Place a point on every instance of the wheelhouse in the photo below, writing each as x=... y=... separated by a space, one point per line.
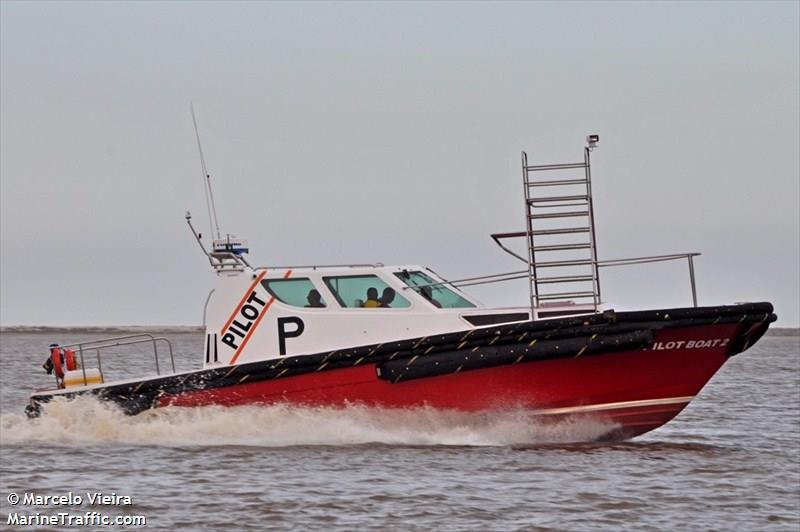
x=365 y=288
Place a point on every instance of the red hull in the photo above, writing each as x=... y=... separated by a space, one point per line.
x=637 y=390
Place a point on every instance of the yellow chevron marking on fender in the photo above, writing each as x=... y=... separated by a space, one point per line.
x=584 y=348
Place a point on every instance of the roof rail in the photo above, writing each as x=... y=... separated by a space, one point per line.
x=320 y=266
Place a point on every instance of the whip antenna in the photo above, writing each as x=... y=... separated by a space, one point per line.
x=212 y=209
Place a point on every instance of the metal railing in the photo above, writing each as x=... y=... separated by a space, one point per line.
x=320 y=266
x=659 y=258
x=118 y=341
x=523 y=274
x=226 y=260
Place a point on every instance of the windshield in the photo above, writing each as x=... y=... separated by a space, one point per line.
x=438 y=295
x=364 y=291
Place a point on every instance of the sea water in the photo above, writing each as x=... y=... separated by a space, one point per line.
x=730 y=461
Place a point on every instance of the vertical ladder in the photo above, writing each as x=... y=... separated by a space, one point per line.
x=562 y=250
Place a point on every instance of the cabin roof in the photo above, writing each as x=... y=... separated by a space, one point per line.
x=341 y=269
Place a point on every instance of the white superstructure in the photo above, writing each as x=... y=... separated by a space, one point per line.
x=257 y=314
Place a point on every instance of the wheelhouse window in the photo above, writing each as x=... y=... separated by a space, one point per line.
x=299 y=292
x=438 y=295
x=365 y=291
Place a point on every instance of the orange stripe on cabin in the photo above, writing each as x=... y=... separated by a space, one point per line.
x=241 y=303
x=255 y=323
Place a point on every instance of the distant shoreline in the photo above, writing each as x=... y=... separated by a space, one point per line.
x=177 y=329
x=110 y=329
x=783 y=331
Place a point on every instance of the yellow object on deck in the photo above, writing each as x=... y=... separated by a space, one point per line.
x=76 y=377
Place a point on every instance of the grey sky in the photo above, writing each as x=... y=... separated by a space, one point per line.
x=389 y=132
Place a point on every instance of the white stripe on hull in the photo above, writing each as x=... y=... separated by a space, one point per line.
x=616 y=406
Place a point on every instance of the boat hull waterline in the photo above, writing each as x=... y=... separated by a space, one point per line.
x=632 y=370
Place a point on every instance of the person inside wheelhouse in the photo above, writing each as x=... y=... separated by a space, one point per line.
x=436 y=293
x=387 y=297
x=314 y=299
x=427 y=293
x=372 y=298
x=377 y=293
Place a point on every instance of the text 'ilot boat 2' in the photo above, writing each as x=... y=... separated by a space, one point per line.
x=404 y=337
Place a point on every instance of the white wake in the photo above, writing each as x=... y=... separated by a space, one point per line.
x=86 y=420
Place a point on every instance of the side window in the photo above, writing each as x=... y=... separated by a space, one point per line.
x=438 y=295
x=298 y=292
x=365 y=291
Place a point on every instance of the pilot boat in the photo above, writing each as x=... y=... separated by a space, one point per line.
x=404 y=337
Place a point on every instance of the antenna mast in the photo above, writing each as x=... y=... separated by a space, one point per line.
x=212 y=209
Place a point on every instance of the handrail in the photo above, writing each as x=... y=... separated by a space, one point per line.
x=117 y=341
x=222 y=260
x=510 y=276
x=655 y=258
x=470 y=281
x=645 y=260
x=319 y=266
